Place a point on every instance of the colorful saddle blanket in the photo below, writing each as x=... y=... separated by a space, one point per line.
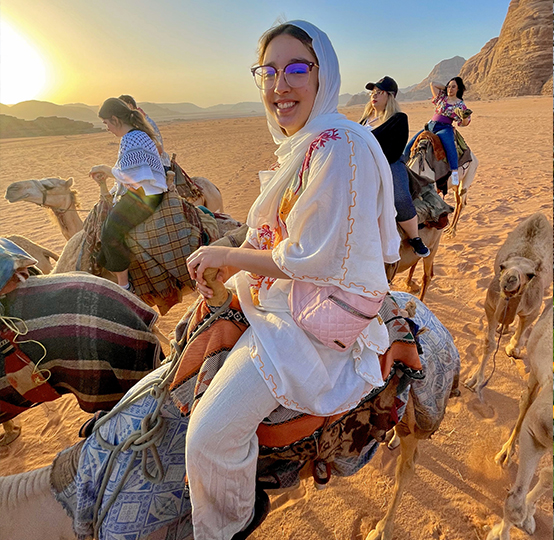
x=288 y=434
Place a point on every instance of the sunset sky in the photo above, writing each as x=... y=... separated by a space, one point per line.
x=68 y=51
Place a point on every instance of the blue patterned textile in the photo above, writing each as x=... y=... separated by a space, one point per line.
x=431 y=394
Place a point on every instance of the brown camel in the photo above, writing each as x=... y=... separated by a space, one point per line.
x=432 y=214
x=534 y=431
x=52 y=193
x=522 y=275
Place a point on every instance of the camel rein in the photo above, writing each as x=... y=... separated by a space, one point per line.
x=151 y=428
x=497 y=344
x=44 y=192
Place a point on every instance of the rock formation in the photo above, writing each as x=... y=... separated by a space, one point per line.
x=519 y=61
x=442 y=73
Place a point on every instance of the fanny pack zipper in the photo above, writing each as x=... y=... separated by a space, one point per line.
x=349 y=308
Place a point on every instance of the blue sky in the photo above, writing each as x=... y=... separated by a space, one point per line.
x=185 y=50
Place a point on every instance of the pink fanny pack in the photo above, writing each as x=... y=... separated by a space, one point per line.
x=333 y=316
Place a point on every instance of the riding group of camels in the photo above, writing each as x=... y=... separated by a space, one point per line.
x=523 y=274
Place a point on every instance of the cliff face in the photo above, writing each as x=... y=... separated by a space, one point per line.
x=519 y=61
x=441 y=73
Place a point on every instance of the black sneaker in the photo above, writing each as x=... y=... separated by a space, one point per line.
x=420 y=249
x=261 y=510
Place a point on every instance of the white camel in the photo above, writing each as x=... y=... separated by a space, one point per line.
x=533 y=429
x=28 y=500
x=424 y=163
x=522 y=275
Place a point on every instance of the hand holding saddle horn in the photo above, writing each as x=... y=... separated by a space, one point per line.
x=219 y=291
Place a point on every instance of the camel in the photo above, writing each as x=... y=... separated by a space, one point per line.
x=56 y=194
x=52 y=193
x=522 y=274
x=534 y=431
x=42 y=254
x=28 y=499
x=424 y=163
x=432 y=212
x=409 y=260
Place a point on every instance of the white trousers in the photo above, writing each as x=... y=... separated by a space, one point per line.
x=222 y=446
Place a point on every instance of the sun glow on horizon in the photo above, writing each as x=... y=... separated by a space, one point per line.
x=23 y=71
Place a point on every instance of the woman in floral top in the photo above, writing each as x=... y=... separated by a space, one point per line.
x=449 y=108
x=326 y=216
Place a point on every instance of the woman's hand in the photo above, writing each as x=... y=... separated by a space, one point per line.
x=100 y=173
x=208 y=257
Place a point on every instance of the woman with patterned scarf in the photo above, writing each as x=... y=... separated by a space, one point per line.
x=140 y=184
x=325 y=215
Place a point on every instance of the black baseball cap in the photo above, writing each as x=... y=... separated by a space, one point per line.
x=388 y=84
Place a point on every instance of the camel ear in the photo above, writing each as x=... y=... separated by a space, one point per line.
x=69 y=182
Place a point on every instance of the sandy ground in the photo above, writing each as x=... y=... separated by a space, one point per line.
x=458 y=491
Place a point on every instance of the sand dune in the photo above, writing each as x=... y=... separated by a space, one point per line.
x=458 y=491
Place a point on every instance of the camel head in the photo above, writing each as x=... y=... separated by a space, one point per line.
x=54 y=193
x=515 y=275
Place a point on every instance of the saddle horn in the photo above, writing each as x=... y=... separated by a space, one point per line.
x=220 y=292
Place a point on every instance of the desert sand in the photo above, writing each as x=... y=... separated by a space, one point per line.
x=458 y=491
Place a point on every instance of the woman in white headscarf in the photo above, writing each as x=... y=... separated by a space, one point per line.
x=325 y=215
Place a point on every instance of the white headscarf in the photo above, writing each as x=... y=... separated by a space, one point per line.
x=324 y=115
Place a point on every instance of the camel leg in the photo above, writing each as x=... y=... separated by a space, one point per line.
x=405 y=469
x=450 y=231
x=11 y=432
x=409 y=280
x=519 y=339
x=428 y=274
x=476 y=380
x=503 y=457
x=535 y=439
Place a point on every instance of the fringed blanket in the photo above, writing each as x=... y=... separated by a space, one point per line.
x=97 y=337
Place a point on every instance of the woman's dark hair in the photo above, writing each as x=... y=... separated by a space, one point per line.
x=461 y=86
x=288 y=30
x=118 y=108
x=130 y=100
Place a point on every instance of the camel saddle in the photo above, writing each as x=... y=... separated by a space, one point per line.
x=287 y=434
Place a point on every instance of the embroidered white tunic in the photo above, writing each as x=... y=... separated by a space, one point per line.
x=330 y=236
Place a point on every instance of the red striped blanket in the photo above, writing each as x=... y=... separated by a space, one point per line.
x=98 y=340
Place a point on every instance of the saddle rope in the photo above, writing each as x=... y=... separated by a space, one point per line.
x=19 y=328
x=497 y=344
x=151 y=429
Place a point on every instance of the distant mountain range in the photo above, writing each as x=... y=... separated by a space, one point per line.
x=517 y=63
x=11 y=127
x=30 y=110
